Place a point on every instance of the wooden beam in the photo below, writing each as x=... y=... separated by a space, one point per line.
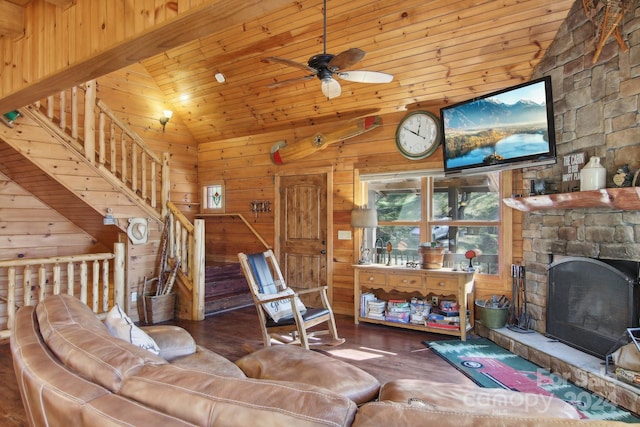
x=11 y=19
x=195 y=23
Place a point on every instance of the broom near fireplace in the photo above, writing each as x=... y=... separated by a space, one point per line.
x=519 y=320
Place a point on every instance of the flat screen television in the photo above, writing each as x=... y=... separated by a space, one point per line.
x=508 y=129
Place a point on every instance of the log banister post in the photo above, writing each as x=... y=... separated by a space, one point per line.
x=21 y=275
x=90 y=121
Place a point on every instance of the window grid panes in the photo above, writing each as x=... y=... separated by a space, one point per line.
x=464 y=215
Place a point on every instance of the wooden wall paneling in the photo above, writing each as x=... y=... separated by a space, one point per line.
x=142 y=114
x=30 y=228
x=11 y=20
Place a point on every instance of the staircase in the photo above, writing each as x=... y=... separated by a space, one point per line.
x=79 y=142
x=76 y=140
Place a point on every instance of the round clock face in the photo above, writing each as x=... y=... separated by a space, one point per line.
x=418 y=135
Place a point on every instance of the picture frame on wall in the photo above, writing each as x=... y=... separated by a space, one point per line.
x=213 y=197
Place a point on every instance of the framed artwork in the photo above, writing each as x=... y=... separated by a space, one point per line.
x=213 y=200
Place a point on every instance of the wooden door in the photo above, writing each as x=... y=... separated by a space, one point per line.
x=303 y=232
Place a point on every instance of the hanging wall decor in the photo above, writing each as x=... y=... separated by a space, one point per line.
x=607 y=16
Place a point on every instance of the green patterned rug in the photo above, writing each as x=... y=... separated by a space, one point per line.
x=491 y=366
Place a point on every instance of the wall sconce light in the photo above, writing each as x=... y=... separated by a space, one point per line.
x=166 y=115
x=259 y=206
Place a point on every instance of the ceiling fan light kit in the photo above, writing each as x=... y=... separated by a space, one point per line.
x=325 y=66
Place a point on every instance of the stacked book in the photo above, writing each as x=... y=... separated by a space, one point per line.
x=365 y=297
x=419 y=311
x=376 y=309
x=398 y=311
x=444 y=319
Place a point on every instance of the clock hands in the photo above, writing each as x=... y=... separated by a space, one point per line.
x=415 y=133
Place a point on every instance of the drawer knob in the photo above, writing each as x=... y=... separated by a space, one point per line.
x=441 y=284
x=371 y=278
x=405 y=281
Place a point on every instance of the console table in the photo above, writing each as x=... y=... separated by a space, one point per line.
x=404 y=283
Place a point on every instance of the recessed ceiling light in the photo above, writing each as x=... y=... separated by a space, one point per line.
x=220 y=77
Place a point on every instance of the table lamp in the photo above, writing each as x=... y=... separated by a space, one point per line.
x=364 y=218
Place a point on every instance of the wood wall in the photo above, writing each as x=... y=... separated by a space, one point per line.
x=249 y=174
x=31 y=229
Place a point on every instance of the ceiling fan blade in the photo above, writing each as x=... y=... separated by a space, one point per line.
x=346 y=59
x=290 y=81
x=284 y=61
x=362 y=76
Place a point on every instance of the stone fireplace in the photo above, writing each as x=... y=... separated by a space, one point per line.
x=596 y=111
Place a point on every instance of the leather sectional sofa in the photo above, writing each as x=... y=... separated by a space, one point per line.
x=71 y=371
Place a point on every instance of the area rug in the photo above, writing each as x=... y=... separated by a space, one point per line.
x=491 y=366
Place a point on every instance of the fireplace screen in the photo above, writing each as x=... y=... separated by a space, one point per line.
x=591 y=303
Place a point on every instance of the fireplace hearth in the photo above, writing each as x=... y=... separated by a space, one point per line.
x=591 y=302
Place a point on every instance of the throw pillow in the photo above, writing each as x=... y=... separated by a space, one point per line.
x=121 y=326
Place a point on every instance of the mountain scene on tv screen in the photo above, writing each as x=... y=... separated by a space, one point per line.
x=489 y=131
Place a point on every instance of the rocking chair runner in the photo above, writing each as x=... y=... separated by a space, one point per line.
x=279 y=307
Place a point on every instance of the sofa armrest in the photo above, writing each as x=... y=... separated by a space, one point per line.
x=173 y=341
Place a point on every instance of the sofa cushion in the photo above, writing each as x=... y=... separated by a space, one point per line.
x=173 y=341
x=83 y=344
x=375 y=414
x=121 y=326
x=293 y=363
x=473 y=399
x=207 y=399
x=206 y=360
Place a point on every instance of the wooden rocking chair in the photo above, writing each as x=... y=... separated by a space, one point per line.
x=279 y=307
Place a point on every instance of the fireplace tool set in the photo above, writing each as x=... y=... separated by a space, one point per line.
x=519 y=320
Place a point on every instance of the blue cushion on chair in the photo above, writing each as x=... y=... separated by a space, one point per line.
x=262 y=273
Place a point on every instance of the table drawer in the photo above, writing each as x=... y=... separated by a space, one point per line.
x=366 y=277
x=408 y=282
x=442 y=284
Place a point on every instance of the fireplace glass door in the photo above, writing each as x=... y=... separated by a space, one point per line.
x=591 y=303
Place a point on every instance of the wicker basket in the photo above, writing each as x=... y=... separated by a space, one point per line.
x=159 y=308
x=431 y=257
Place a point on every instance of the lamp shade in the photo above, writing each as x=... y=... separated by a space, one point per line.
x=364 y=218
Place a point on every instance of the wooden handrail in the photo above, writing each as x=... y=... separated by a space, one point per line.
x=35 y=278
x=118 y=151
x=186 y=241
x=244 y=220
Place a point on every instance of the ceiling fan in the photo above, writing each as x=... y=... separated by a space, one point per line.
x=325 y=66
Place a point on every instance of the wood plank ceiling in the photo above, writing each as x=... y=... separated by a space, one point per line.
x=440 y=51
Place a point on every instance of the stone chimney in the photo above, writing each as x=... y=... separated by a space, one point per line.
x=596 y=111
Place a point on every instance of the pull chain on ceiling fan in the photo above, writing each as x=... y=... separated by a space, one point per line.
x=325 y=66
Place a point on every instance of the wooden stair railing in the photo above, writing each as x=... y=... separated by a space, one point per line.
x=186 y=241
x=31 y=280
x=119 y=151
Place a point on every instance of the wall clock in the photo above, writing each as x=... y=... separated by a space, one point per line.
x=418 y=135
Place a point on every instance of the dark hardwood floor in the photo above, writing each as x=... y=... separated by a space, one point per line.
x=385 y=352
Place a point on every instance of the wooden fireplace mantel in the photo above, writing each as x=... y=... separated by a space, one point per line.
x=626 y=199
